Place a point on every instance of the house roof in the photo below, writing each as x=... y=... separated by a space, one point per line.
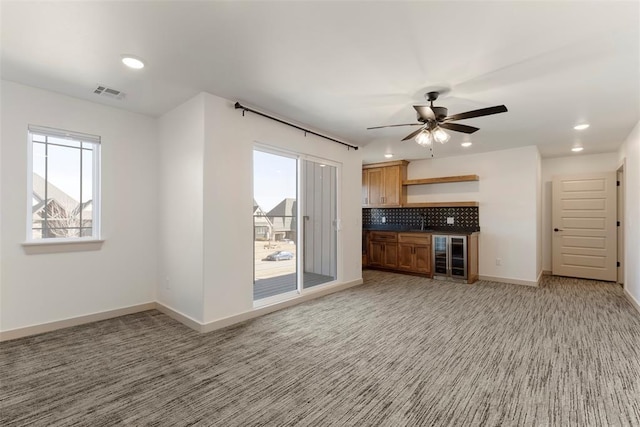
x=59 y=197
x=63 y=199
x=283 y=215
x=287 y=207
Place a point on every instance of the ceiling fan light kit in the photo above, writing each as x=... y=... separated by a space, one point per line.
x=424 y=138
x=433 y=120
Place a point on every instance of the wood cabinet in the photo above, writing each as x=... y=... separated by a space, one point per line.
x=383 y=249
x=382 y=184
x=414 y=252
x=411 y=252
x=472 y=258
x=385 y=185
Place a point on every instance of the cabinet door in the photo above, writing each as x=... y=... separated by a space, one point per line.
x=376 y=186
x=392 y=183
x=365 y=187
x=422 y=259
x=390 y=255
x=375 y=255
x=405 y=257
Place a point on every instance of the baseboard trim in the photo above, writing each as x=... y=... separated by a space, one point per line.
x=13 y=334
x=511 y=281
x=186 y=320
x=180 y=317
x=546 y=272
x=248 y=315
x=632 y=300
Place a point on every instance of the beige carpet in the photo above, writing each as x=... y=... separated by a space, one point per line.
x=397 y=351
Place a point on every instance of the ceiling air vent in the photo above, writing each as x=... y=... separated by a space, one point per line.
x=108 y=92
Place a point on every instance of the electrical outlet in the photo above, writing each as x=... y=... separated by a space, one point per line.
x=498 y=261
x=450 y=220
x=384 y=219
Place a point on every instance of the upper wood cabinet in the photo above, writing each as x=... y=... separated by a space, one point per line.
x=382 y=184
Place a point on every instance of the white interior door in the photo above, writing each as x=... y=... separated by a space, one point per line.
x=584 y=226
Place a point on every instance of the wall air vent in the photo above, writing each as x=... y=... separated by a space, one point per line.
x=108 y=92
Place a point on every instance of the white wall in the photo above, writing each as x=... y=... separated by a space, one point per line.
x=507 y=192
x=206 y=204
x=43 y=288
x=228 y=202
x=570 y=165
x=630 y=154
x=180 y=213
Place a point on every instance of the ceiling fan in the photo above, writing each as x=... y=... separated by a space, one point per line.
x=432 y=120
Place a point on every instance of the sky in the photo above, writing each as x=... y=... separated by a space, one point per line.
x=64 y=167
x=274 y=179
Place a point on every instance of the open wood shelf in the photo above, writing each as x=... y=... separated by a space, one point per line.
x=441 y=180
x=441 y=205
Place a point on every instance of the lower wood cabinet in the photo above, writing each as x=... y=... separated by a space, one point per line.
x=383 y=249
x=383 y=254
x=410 y=252
x=414 y=258
x=414 y=252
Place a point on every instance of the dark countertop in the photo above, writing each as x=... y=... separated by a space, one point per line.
x=427 y=229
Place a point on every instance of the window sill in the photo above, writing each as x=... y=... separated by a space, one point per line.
x=57 y=246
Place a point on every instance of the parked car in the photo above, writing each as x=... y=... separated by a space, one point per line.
x=279 y=256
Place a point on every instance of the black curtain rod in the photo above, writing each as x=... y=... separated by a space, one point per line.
x=239 y=106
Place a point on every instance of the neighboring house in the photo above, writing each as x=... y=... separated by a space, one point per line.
x=283 y=218
x=262 y=226
x=56 y=214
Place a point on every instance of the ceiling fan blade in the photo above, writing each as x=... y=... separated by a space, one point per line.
x=425 y=112
x=412 y=134
x=393 y=126
x=478 y=113
x=458 y=127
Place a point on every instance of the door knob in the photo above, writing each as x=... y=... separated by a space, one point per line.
x=555 y=229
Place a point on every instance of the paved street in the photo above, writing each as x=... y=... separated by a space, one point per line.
x=266 y=269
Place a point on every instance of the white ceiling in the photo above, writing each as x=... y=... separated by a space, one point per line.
x=340 y=67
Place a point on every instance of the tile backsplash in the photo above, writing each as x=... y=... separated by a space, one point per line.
x=464 y=217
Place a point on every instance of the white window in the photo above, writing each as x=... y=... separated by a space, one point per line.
x=64 y=185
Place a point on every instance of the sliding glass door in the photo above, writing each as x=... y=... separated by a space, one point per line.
x=290 y=256
x=275 y=225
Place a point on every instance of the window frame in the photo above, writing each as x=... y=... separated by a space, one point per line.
x=82 y=138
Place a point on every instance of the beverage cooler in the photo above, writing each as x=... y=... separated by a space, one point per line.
x=449 y=257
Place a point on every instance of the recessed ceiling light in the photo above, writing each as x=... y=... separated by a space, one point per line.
x=388 y=156
x=321 y=165
x=581 y=127
x=466 y=144
x=132 y=62
x=576 y=149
